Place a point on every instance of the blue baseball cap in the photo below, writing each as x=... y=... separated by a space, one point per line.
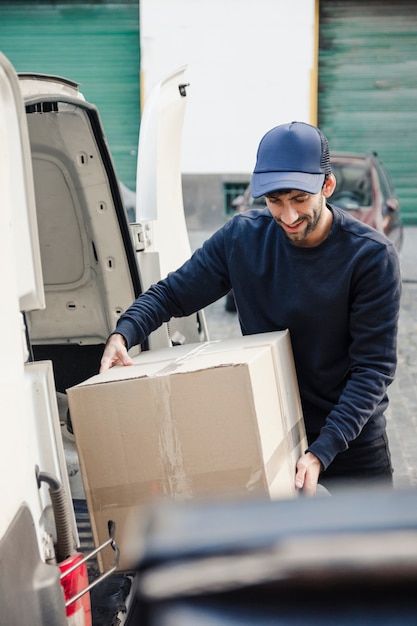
x=291 y=156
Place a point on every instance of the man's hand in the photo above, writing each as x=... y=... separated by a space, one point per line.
x=307 y=473
x=115 y=353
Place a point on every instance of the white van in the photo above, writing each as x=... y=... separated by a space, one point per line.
x=71 y=264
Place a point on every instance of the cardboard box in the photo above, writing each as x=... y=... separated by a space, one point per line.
x=208 y=419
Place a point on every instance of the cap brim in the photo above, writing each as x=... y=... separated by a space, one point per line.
x=267 y=182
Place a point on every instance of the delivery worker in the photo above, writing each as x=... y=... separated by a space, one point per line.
x=307 y=266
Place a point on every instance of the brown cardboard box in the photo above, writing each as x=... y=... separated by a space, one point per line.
x=210 y=419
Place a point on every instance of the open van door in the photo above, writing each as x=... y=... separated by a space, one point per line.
x=95 y=262
x=160 y=207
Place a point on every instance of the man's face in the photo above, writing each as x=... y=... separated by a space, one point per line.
x=302 y=216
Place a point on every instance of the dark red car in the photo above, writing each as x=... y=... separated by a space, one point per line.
x=365 y=189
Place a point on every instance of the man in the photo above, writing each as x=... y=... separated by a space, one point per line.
x=308 y=266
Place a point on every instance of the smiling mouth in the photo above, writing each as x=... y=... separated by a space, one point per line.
x=292 y=228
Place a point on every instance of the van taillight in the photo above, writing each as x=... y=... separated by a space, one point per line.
x=73 y=583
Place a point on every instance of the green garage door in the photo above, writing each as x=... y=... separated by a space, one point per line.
x=95 y=44
x=368 y=85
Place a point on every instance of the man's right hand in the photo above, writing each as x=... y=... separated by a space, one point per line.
x=115 y=353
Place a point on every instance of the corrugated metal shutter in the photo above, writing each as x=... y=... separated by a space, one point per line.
x=96 y=45
x=368 y=85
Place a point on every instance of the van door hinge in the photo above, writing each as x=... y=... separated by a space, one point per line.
x=137 y=233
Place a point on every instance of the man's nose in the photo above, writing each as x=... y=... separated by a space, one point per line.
x=289 y=215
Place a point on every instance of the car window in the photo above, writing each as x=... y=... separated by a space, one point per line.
x=386 y=185
x=353 y=185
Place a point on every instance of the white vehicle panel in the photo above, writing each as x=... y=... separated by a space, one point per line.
x=159 y=188
x=15 y=169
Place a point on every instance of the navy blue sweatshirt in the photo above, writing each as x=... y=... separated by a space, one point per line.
x=340 y=301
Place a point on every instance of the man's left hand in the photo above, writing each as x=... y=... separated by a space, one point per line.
x=308 y=469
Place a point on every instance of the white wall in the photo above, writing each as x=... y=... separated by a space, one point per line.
x=249 y=65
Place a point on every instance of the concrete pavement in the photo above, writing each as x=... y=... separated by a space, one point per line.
x=402 y=412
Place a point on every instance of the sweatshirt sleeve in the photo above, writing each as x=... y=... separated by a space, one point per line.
x=200 y=281
x=374 y=313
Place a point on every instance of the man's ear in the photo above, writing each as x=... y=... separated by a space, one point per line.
x=329 y=186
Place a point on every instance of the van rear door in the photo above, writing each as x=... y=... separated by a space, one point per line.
x=94 y=261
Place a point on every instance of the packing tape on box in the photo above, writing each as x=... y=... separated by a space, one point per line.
x=176 y=364
x=170 y=449
x=284 y=448
x=295 y=435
